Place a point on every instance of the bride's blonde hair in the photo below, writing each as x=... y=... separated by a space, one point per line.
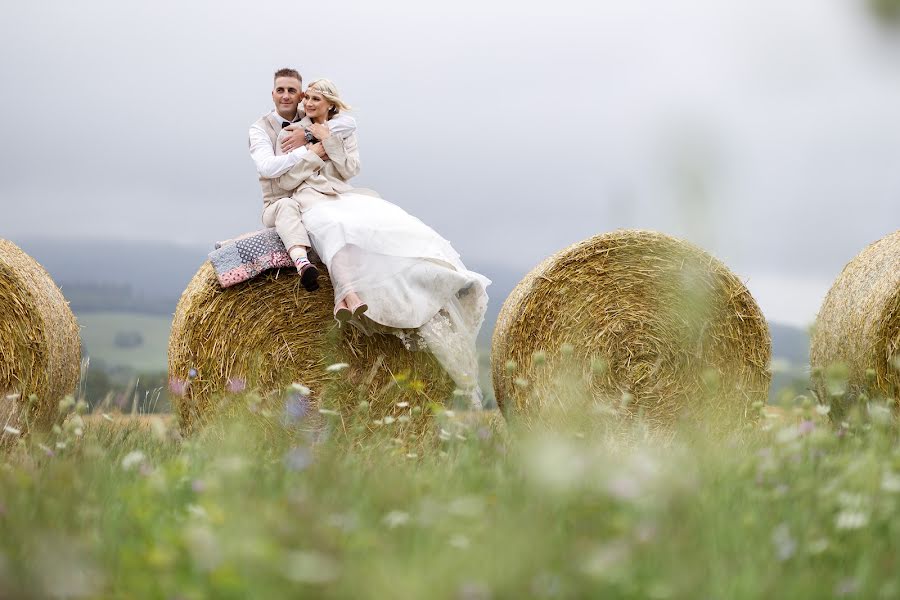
x=330 y=93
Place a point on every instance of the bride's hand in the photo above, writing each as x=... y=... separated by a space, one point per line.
x=320 y=131
x=295 y=138
x=319 y=149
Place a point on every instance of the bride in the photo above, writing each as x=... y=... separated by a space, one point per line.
x=390 y=271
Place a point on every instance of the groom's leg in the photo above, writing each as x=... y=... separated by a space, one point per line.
x=284 y=215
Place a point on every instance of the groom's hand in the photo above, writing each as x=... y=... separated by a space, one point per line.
x=295 y=138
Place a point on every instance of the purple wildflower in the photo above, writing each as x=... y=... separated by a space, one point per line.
x=298 y=459
x=178 y=386
x=295 y=408
x=806 y=427
x=236 y=385
x=192 y=373
x=198 y=486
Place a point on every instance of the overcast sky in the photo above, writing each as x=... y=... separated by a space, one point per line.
x=767 y=132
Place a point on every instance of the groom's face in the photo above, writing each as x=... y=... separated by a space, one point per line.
x=287 y=96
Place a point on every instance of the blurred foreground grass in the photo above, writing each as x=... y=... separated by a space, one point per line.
x=264 y=506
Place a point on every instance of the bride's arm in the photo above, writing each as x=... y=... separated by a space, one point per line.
x=308 y=165
x=343 y=154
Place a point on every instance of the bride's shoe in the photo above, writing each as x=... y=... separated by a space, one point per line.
x=342 y=313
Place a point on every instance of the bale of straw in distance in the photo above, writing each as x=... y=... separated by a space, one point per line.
x=40 y=348
x=644 y=321
x=267 y=333
x=858 y=325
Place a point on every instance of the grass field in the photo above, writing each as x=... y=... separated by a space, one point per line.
x=589 y=504
x=98 y=333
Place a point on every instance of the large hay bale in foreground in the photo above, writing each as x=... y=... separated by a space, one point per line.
x=642 y=316
x=269 y=332
x=40 y=349
x=858 y=325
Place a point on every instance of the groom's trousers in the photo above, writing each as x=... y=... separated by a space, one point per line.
x=284 y=216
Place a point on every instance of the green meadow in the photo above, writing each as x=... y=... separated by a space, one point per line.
x=280 y=503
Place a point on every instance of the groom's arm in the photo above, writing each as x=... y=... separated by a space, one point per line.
x=268 y=165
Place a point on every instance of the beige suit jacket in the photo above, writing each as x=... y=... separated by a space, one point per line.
x=315 y=180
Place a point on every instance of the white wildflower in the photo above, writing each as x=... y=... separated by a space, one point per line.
x=133 y=459
x=336 y=367
x=823 y=409
x=388 y=420
x=107 y=417
x=396 y=518
x=311 y=567
x=402 y=404
x=890 y=482
x=460 y=542
x=403 y=419
x=784 y=542
x=12 y=430
x=328 y=411
x=302 y=389
x=444 y=435
x=851 y=519
x=412 y=455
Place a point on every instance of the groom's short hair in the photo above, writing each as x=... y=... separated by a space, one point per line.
x=288 y=73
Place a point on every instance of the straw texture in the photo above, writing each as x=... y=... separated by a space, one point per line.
x=40 y=348
x=269 y=332
x=648 y=322
x=859 y=322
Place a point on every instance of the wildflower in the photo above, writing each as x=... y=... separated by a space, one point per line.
x=402 y=404
x=806 y=427
x=328 y=411
x=890 y=482
x=236 y=385
x=295 y=407
x=12 y=430
x=388 y=420
x=459 y=542
x=336 y=367
x=178 y=386
x=46 y=450
x=823 y=409
x=133 y=459
x=378 y=422
x=107 y=417
x=851 y=519
x=403 y=419
x=396 y=518
x=846 y=587
x=784 y=542
x=300 y=389
x=192 y=373
x=198 y=486
x=412 y=455
x=298 y=459
x=310 y=567
x=511 y=366
x=444 y=435
x=521 y=382
x=539 y=358
x=483 y=433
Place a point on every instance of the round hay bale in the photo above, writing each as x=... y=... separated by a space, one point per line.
x=858 y=325
x=40 y=348
x=267 y=333
x=639 y=320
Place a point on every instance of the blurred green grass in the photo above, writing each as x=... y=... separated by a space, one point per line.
x=589 y=505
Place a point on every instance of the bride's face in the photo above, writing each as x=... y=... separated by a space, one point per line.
x=317 y=106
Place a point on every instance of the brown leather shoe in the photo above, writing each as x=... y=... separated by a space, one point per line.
x=309 y=277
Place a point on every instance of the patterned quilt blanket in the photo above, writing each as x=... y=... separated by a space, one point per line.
x=247 y=256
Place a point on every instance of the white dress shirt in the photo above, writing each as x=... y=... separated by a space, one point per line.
x=270 y=166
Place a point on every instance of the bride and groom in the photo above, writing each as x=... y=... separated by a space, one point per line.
x=390 y=272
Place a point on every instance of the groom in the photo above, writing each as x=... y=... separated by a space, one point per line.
x=279 y=209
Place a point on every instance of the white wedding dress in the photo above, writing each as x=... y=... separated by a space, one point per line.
x=410 y=277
